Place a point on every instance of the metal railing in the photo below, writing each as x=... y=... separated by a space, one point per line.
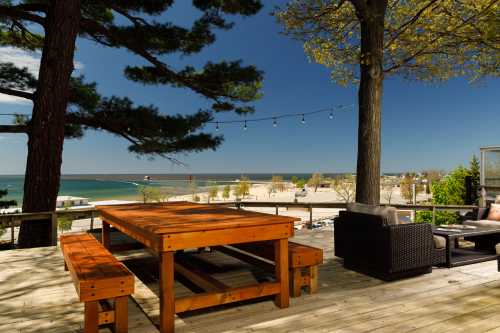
x=14 y=220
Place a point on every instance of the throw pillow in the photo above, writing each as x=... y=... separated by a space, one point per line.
x=494 y=213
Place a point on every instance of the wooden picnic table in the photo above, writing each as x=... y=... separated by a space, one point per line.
x=170 y=227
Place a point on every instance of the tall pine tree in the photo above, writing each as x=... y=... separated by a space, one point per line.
x=139 y=27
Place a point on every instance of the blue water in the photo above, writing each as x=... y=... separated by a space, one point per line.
x=125 y=186
x=102 y=187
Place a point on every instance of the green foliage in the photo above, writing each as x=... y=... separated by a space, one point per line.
x=406 y=186
x=301 y=183
x=315 y=181
x=6 y=203
x=213 y=191
x=278 y=184
x=474 y=172
x=423 y=40
x=142 y=28
x=151 y=194
x=64 y=223
x=294 y=180
x=226 y=192
x=242 y=188
x=449 y=191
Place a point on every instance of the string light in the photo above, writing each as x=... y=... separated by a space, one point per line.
x=274 y=119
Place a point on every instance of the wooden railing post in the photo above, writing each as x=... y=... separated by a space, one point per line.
x=12 y=226
x=310 y=216
x=92 y=220
x=54 y=229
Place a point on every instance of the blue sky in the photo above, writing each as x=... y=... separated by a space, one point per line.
x=423 y=126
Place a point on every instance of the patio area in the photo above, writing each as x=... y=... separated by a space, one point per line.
x=37 y=295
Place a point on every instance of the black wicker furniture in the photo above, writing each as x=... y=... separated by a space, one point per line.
x=370 y=245
x=488 y=241
x=456 y=256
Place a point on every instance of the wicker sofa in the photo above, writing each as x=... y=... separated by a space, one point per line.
x=486 y=242
x=373 y=245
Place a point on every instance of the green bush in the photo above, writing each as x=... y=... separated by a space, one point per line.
x=441 y=217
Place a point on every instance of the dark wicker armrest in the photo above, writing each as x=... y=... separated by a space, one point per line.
x=411 y=246
x=482 y=213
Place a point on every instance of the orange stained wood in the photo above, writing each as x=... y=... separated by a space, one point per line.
x=96 y=273
x=178 y=225
x=299 y=255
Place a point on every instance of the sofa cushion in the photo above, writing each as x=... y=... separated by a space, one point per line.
x=484 y=223
x=494 y=213
x=389 y=214
x=439 y=242
x=497 y=200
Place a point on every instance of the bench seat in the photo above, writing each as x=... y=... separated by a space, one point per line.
x=303 y=261
x=101 y=281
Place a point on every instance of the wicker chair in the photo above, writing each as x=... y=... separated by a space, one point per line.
x=389 y=252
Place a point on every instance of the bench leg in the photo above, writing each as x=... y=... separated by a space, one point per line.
x=296 y=282
x=65 y=266
x=91 y=317
x=167 y=296
x=106 y=242
x=313 y=279
x=282 y=300
x=121 y=314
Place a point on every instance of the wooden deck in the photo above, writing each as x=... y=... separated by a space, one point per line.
x=37 y=295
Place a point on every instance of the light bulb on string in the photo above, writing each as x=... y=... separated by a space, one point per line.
x=275 y=123
x=217 y=126
x=330 y=115
x=303 y=121
x=245 y=126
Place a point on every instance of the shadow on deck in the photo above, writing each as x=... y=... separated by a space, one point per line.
x=37 y=295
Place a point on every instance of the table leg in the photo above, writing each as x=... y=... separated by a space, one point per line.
x=106 y=241
x=282 y=300
x=167 y=296
x=448 y=251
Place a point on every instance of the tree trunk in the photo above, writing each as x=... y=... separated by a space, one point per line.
x=46 y=132
x=370 y=98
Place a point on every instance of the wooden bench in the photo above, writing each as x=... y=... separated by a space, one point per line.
x=101 y=281
x=303 y=262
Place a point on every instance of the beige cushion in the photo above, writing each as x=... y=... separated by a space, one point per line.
x=497 y=248
x=389 y=213
x=497 y=200
x=439 y=242
x=494 y=213
x=484 y=223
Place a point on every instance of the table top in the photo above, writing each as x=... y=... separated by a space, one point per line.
x=466 y=232
x=179 y=217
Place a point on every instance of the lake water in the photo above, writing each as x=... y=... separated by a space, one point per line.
x=125 y=186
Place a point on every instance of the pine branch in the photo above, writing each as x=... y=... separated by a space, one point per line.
x=17 y=93
x=10 y=12
x=13 y=129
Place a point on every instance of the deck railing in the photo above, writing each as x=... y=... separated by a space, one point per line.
x=14 y=220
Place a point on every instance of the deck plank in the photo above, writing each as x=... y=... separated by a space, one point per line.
x=462 y=299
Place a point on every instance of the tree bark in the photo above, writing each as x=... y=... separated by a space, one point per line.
x=46 y=131
x=370 y=98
